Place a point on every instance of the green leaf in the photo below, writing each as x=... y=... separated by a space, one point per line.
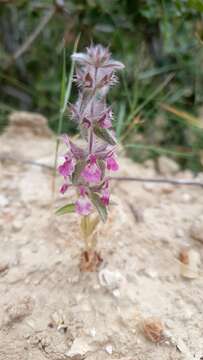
x=66 y=209
x=120 y=121
x=102 y=211
x=78 y=169
x=102 y=166
x=88 y=225
x=105 y=135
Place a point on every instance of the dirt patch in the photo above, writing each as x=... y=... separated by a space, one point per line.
x=49 y=310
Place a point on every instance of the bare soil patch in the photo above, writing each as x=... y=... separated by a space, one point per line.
x=50 y=310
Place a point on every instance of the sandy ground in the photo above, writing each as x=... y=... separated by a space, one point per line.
x=49 y=310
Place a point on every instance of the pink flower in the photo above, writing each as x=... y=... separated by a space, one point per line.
x=111 y=163
x=67 y=168
x=105 y=197
x=83 y=206
x=82 y=191
x=105 y=119
x=97 y=56
x=64 y=188
x=92 y=172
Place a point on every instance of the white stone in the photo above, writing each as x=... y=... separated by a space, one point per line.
x=17 y=225
x=3 y=200
x=93 y=332
x=186 y=198
x=109 y=349
x=79 y=346
x=196 y=229
x=111 y=279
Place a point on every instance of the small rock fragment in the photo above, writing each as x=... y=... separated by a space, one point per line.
x=19 y=309
x=167 y=166
x=166 y=188
x=4 y=266
x=23 y=122
x=186 y=198
x=183 y=256
x=79 y=348
x=93 y=332
x=3 y=201
x=190 y=261
x=153 y=330
x=109 y=349
x=111 y=279
x=196 y=229
x=17 y=225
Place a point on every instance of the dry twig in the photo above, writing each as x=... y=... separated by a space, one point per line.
x=186 y=182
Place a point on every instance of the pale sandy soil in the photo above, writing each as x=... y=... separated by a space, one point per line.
x=49 y=310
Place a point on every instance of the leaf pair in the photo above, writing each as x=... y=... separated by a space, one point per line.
x=88 y=225
x=69 y=208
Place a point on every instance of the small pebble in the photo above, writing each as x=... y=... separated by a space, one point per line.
x=196 y=229
x=186 y=198
x=116 y=293
x=109 y=349
x=190 y=262
x=153 y=330
x=93 y=332
x=179 y=233
x=17 y=225
x=3 y=201
x=151 y=273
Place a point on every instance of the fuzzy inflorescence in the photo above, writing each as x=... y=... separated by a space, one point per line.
x=87 y=168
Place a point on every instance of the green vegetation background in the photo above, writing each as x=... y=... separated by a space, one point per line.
x=159 y=41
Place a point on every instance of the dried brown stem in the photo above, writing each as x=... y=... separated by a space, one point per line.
x=186 y=182
x=158 y=181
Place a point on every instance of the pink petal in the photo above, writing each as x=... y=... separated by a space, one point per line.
x=67 y=168
x=63 y=188
x=91 y=173
x=83 y=206
x=65 y=139
x=112 y=163
x=105 y=197
x=82 y=191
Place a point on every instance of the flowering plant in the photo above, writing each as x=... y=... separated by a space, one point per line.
x=86 y=168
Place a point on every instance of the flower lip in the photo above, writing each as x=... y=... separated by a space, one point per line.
x=111 y=163
x=64 y=188
x=105 y=197
x=92 y=173
x=83 y=206
x=86 y=123
x=67 y=168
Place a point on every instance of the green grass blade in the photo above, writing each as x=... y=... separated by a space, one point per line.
x=65 y=94
x=161 y=150
x=149 y=98
x=120 y=120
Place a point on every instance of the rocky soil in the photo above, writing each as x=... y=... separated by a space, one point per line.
x=145 y=301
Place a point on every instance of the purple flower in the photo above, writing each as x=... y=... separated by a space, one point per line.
x=64 y=188
x=105 y=119
x=97 y=56
x=111 y=163
x=67 y=168
x=95 y=74
x=105 y=197
x=83 y=206
x=92 y=172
